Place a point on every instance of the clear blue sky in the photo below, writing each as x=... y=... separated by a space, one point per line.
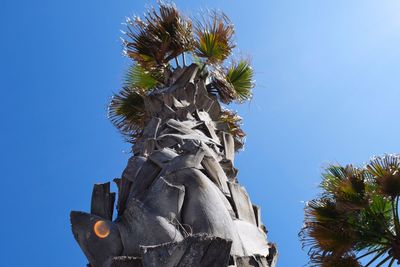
x=328 y=75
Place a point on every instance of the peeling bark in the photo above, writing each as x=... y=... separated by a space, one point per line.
x=179 y=202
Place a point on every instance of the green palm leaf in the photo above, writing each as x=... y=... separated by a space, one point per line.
x=214 y=38
x=375 y=223
x=138 y=77
x=357 y=214
x=240 y=75
x=127 y=112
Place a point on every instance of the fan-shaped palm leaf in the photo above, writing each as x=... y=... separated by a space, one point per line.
x=326 y=228
x=138 y=77
x=357 y=204
x=386 y=171
x=127 y=112
x=240 y=75
x=160 y=37
x=214 y=38
x=331 y=260
x=375 y=224
x=174 y=27
x=347 y=186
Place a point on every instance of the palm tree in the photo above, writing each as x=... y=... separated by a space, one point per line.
x=179 y=202
x=356 y=218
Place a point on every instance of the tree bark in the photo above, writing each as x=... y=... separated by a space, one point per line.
x=179 y=202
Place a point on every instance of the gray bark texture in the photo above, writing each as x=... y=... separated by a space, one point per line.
x=179 y=202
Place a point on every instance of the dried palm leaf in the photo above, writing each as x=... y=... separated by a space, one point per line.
x=160 y=37
x=233 y=121
x=221 y=86
x=326 y=228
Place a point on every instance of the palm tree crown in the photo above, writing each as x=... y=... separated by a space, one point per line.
x=356 y=216
x=157 y=43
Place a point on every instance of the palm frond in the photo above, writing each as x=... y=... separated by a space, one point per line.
x=138 y=77
x=160 y=37
x=375 y=224
x=240 y=75
x=331 y=260
x=356 y=215
x=322 y=210
x=326 y=228
x=140 y=43
x=178 y=27
x=386 y=172
x=347 y=186
x=214 y=38
x=127 y=112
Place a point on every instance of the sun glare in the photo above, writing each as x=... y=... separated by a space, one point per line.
x=101 y=229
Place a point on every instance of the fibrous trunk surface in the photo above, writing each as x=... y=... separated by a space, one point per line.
x=179 y=202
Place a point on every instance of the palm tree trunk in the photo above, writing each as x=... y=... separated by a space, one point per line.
x=179 y=202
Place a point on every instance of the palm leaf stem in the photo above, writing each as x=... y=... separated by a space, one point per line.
x=383 y=243
x=183 y=59
x=384 y=260
x=203 y=67
x=375 y=258
x=394 y=202
x=391 y=262
x=389 y=236
x=397 y=215
x=369 y=253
